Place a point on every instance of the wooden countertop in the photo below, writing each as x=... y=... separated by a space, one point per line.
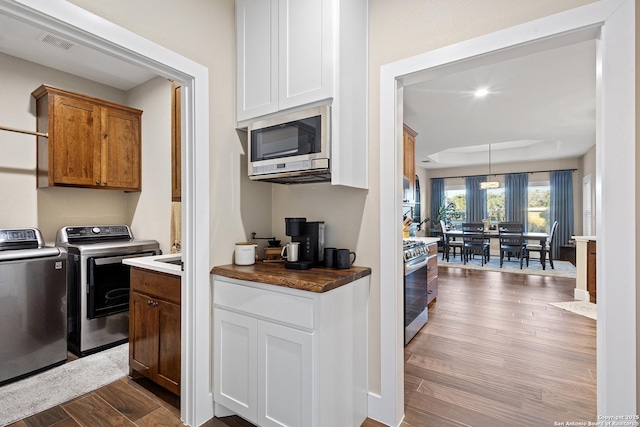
x=318 y=279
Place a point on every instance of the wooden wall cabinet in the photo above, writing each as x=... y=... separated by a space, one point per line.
x=409 y=160
x=286 y=357
x=154 y=327
x=176 y=142
x=92 y=143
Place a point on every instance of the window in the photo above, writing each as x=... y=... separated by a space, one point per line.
x=456 y=194
x=538 y=215
x=496 y=204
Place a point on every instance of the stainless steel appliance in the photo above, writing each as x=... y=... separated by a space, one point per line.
x=416 y=313
x=291 y=148
x=33 y=291
x=98 y=314
x=310 y=235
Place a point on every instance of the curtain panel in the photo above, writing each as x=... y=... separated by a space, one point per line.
x=561 y=207
x=516 y=197
x=476 y=198
x=437 y=198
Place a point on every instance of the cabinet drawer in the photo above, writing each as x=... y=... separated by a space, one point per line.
x=432 y=267
x=263 y=303
x=153 y=283
x=432 y=249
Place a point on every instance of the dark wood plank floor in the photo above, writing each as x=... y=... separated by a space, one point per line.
x=494 y=353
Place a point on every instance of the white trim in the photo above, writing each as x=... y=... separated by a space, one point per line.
x=83 y=27
x=617 y=362
x=581 y=294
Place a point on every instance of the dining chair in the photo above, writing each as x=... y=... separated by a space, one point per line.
x=474 y=242
x=511 y=241
x=449 y=243
x=548 y=247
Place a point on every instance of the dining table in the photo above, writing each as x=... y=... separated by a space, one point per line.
x=494 y=234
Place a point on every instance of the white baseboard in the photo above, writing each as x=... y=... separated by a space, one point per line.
x=375 y=410
x=581 y=294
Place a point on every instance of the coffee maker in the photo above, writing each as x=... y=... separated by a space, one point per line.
x=310 y=234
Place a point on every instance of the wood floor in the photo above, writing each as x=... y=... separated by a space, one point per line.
x=494 y=353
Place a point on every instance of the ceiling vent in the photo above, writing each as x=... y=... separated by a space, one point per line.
x=57 y=41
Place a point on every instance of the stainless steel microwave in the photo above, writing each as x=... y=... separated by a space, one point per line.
x=291 y=148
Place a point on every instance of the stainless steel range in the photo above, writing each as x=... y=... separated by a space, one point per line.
x=33 y=304
x=98 y=284
x=415 y=255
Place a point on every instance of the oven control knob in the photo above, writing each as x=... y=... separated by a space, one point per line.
x=95 y=230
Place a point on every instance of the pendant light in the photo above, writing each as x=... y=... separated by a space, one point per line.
x=489 y=184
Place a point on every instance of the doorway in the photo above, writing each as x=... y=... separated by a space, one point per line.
x=80 y=25
x=615 y=156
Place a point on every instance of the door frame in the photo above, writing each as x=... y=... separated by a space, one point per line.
x=83 y=27
x=612 y=23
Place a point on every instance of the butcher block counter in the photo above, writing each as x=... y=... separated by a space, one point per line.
x=313 y=280
x=290 y=346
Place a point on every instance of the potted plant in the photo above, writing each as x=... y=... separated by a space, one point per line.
x=447 y=213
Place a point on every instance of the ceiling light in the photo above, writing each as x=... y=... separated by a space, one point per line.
x=480 y=93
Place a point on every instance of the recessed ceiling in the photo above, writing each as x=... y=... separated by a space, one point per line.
x=33 y=44
x=539 y=107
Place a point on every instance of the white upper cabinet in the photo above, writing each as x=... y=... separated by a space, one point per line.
x=293 y=54
x=285 y=54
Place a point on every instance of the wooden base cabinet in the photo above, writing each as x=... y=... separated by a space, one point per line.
x=285 y=357
x=154 y=327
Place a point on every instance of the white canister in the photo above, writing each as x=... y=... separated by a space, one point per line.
x=245 y=253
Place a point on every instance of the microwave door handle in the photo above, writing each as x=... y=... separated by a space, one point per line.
x=280 y=153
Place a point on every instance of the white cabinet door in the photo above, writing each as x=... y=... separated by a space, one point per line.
x=306 y=51
x=257 y=57
x=235 y=363
x=285 y=376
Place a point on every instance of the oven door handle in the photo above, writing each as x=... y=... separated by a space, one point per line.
x=118 y=259
x=408 y=269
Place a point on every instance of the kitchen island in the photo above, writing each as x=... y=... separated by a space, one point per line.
x=290 y=346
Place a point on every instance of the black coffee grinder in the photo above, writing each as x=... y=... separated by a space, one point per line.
x=310 y=234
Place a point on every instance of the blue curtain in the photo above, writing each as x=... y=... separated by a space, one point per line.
x=516 y=197
x=437 y=197
x=476 y=198
x=561 y=208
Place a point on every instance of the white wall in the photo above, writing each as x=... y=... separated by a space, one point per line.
x=589 y=167
x=149 y=211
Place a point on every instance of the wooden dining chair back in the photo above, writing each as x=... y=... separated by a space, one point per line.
x=474 y=242
x=548 y=248
x=449 y=243
x=511 y=241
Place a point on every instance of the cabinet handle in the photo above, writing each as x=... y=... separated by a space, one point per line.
x=105 y=182
x=152 y=303
x=97 y=182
